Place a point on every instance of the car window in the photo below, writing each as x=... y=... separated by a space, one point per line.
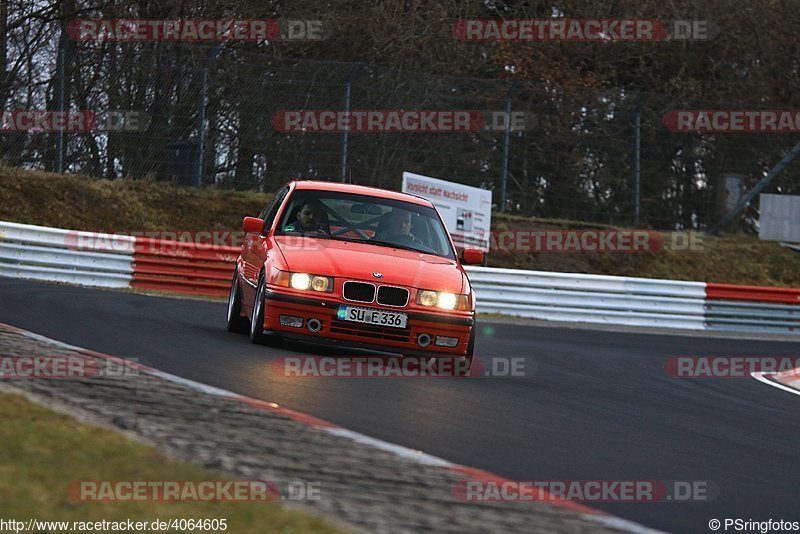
x=370 y=219
x=271 y=209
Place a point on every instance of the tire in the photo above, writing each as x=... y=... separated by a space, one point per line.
x=236 y=323
x=257 y=335
x=470 y=349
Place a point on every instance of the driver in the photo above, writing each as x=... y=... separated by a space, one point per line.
x=308 y=219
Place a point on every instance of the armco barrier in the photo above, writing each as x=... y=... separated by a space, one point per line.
x=752 y=316
x=752 y=308
x=183 y=267
x=93 y=259
x=753 y=293
x=42 y=253
x=589 y=298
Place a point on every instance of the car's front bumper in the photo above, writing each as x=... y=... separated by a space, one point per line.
x=359 y=335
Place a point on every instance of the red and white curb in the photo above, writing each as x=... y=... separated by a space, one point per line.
x=414 y=455
x=788 y=381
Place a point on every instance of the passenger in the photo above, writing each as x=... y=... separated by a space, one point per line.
x=398 y=229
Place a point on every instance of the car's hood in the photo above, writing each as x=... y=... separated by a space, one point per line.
x=360 y=260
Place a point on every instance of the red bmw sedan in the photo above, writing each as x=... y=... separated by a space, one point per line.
x=357 y=267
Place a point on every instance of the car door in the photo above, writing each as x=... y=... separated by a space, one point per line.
x=256 y=249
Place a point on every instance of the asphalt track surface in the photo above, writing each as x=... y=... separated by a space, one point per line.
x=596 y=405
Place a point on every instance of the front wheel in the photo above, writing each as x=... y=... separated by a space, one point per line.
x=257 y=335
x=470 y=349
x=236 y=323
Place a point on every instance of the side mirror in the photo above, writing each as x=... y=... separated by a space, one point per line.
x=252 y=225
x=472 y=256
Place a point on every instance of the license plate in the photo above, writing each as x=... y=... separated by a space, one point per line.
x=370 y=316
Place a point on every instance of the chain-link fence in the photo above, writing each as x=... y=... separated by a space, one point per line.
x=575 y=159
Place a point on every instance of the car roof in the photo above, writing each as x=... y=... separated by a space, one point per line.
x=321 y=185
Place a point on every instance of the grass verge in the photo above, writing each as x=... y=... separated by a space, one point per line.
x=42 y=451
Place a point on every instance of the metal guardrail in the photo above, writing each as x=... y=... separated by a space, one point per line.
x=54 y=254
x=753 y=316
x=589 y=298
x=782 y=295
x=183 y=267
x=110 y=260
x=87 y=258
x=67 y=239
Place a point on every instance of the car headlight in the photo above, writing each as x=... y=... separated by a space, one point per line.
x=320 y=283
x=304 y=281
x=428 y=298
x=447 y=301
x=300 y=281
x=443 y=300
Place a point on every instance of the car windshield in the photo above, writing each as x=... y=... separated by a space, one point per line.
x=378 y=221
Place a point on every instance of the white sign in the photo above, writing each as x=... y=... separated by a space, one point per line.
x=466 y=210
x=779 y=218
